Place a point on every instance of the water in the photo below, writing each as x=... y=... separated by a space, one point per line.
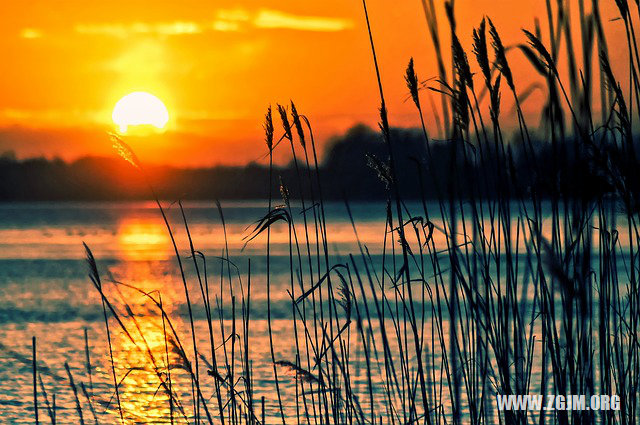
x=45 y=292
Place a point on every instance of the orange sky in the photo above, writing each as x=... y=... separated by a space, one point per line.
x=217 y=66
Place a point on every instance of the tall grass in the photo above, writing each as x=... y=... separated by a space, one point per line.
x=473 y=295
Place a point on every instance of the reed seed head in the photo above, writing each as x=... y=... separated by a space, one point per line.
x=286 y=125
x=268 y=128
x=461 y=63
x=481 y=52
x=412 y=83
x=124 y=151
x=501 y=57
x=298 y=124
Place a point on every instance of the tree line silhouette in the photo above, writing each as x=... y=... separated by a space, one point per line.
x=354 y=165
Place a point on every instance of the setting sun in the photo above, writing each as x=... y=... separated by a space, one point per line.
x=140 y=109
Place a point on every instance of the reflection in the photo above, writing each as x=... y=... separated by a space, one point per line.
x=146 y=359
x=141 y=365
x=143 y=239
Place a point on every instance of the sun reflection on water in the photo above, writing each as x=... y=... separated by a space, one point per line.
x=143 y=239
x=143 y=352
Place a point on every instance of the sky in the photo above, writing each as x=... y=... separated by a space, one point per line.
x=217 y=66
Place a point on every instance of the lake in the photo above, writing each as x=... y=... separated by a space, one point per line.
x=46 y=292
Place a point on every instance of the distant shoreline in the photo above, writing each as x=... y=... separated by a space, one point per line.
x=354 y=166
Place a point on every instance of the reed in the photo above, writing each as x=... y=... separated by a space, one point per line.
x=35 y=381
x=75 y=394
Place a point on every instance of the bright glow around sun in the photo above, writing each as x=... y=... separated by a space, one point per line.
x=140 y=109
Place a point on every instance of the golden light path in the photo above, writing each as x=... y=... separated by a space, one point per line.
x=143 y=239
x=149 y=359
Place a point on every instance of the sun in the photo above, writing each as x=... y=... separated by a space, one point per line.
x=140 y=109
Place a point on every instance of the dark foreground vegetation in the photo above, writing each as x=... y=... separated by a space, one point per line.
x=521 y=278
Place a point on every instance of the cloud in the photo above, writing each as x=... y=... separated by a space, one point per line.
x=227 y=20
x=277 y=19
x=225 y=26
x=30 y=33
x=36 y=118
x=124 y=30
x=235 y=15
